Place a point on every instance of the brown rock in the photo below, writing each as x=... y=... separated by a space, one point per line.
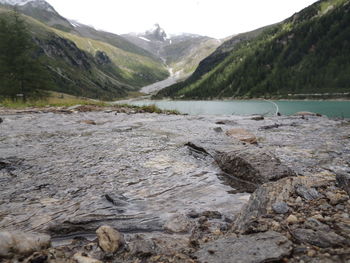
x=242 y=135
x=306 y=113
x=109 y=239
x=80 y=258
x=335 y=198
x=292 y=219
x=17 y=243
x=90 y=122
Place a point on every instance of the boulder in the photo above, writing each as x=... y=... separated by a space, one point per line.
x=261 y=202
x=319 y=238
x=263 y=247
x=109 y=239
x=253 y=165
x=22 y=244
x=242 y=135
x=343 y=180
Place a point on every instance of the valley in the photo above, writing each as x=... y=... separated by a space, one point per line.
x=156 y=147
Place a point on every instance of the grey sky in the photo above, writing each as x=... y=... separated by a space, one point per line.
x=215 y=18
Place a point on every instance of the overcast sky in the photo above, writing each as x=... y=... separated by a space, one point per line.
x=215 y=18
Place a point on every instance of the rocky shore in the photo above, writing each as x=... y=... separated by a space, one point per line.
x=111 y=185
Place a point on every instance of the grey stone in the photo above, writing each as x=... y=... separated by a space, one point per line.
x=217 y=129
x=316 y=225
x=18 y=243
x=258 y=118
x=122 y=129
x=262 y=247
x=178 y=224
x=307 y=193
x=141 y=246
x=253 y=164
x=280 y=207
x=343 y=180
x=319 y=238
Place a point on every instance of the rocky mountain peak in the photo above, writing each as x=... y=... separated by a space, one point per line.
x=40 y=4
x=156 y=33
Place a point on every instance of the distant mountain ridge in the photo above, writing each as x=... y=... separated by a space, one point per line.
x=307 y=53
x=180 y=52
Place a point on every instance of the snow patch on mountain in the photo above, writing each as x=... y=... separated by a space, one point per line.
x=146 y=39
x=15 y=2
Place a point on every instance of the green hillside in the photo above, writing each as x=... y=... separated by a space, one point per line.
x=305 y=54
x=87 y=67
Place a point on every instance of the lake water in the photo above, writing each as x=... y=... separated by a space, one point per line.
x=241 y=107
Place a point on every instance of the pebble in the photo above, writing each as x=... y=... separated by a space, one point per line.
x=334 y=198
x=311 y=253
x=280 y=208
x=345 y=215
x=80 y=258
x=327 y=219
x=298 y=200
x=292 y=219
x=218 y=129
x=318 y=217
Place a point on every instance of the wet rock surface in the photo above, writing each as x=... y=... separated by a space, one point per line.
x=136 y=173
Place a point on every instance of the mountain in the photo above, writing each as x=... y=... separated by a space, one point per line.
x=84 y=61
x=305 y=54
x=182 y=53
x=42 y=11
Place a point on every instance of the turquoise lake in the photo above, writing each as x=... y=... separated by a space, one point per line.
x=241 y=107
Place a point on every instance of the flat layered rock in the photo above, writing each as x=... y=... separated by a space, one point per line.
x=263 y=247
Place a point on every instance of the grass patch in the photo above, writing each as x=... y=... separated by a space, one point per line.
x=55 y=99
x=149 y=109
